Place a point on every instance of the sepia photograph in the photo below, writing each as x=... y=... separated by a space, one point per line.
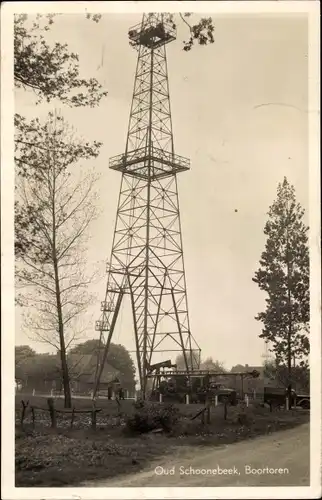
x=161 y=243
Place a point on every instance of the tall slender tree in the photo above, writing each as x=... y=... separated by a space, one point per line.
x=59 y=201
x=284 y=276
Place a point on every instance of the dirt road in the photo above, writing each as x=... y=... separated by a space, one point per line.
x=278 y=459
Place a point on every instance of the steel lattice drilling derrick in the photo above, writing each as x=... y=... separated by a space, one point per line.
x=147 y=257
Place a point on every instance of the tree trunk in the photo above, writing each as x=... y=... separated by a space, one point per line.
x=290 y=324
x=63 y=357
x=289 y=368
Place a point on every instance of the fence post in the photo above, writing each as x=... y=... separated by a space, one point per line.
x=216 y=400
x=94 y=419
x=246 y=400
x=33 y=416
x=72 y=419
x=23 y=412
x=187 y=399
x=287 y=403
x=52 y=412
x=118 y=402
x=208 y=413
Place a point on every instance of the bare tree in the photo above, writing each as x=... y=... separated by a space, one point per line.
x=55 y=205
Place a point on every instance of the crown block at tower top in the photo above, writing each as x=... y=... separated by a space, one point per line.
x=153 y=32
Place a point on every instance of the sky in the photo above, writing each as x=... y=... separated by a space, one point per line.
x=240 y=113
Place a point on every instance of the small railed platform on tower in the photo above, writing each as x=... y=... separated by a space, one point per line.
x=155 y=163
x=153 y=34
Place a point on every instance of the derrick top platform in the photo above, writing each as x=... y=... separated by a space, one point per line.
x=152 y=33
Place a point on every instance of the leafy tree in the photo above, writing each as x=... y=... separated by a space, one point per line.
x=279 y=374
x=34 y=366
x=207 y=364
x=284 y=276
x=50 y=269
x=210 y=364
x=118 y=357
x=50 y=71
x=23 y=354
x=201 y=32
x=192 y=364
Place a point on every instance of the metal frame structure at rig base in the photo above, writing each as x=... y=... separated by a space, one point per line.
x=147 y=256
x=209 y=376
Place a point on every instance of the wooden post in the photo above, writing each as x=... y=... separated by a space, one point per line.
x=33 y=392
x=52 y=412
x=118 y=402
x=187 y=399
x=246 y=400
x=287 y=403
x=119 y=413
x=94 y=419
x=208 y=414
x=23 y=412
x=33 y=416
x=208 y=401
x=216 y=400
x=72 y=419
x=160 y=398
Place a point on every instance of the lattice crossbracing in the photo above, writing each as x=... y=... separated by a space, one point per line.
x=147 y=257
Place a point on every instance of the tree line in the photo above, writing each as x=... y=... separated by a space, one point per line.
x=34 y=370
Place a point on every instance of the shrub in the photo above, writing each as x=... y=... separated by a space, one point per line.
x=149 y=416
x=188 y=427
